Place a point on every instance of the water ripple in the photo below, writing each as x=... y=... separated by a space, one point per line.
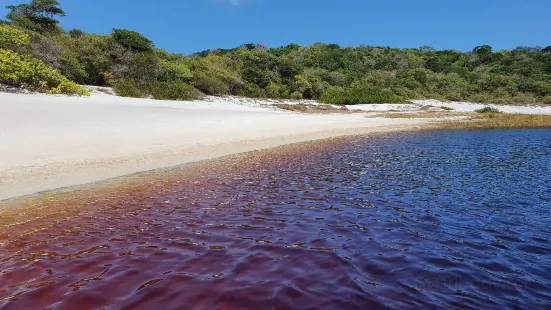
x=426 y=220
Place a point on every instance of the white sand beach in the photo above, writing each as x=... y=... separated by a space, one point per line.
x=50 y=142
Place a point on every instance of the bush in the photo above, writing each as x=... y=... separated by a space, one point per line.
x=85 y=59
x=174 y=90
x=67 y=87
x=275 y=91
x=72 y=67
x=546 y=99
x=132 y=40
x=296 y=95
x=359 y=95
x=488 y=110
x=144 y=67
x=46 y=49
x=12 y=38
x=31 y=73
x=209 y=84
x=251 y=90
x=76 y=33
x=129 y=88
x=481 y=97
x=524 y=98
x=175 y=70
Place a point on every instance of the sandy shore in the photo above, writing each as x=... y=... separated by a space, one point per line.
x=50 y=142
x=462 y=107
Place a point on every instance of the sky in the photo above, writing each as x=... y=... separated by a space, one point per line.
x=188 y=26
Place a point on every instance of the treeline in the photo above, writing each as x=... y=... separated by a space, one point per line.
x=132 y=64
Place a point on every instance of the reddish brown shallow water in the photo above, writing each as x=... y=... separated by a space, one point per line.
x=351 y=224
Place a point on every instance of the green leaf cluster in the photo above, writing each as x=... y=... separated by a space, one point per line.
x=38 y=15
x=31 y=73
x=359 y=95
x=13 y=38
x=132 y=40
x=176 y=90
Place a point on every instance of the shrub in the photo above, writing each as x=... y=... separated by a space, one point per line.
x=543 y=88
x=488 y=110
x=251 y=90
x=446 y=108
x=209 y=84
x=175 y=70
x=274 y=90
x=524 y=98
x=31 y=73
x=12 y=38
x=546 y=99
x=69 y=88
x=132 y=40
x=296 y=95
x=359 y=95
x=72 y=67
x=84 y=59
x=76 y=33
x=174 y=90
x=144 y=66
x=128 y=88
x=46 y=49
x=480 y=97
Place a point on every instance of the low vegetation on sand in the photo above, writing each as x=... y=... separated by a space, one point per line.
x=502 y=120
x=312 y=109
x=18 y=68
x=25 y=71
x=488 y=110
x=360 y=94
x=132 y=64
x=480 y=120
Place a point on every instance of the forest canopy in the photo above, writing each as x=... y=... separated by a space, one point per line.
x=131 y=63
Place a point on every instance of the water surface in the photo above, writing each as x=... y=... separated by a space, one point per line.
x=433 y=219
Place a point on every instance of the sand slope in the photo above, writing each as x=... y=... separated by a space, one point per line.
x=48 y=142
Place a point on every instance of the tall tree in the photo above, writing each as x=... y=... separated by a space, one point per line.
x=482 y=50
x=39 y=15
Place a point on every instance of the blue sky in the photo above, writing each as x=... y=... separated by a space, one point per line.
x=188 y=26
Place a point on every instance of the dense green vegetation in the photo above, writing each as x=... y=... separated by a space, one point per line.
x=130 y=63
x=21 y=69
x=488 y=110
x=362 y=94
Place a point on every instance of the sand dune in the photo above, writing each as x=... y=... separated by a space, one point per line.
x=49 y=142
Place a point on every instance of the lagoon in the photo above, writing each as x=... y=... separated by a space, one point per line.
x=427 y=219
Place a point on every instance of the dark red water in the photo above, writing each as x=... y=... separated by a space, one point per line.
x=426 y=220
